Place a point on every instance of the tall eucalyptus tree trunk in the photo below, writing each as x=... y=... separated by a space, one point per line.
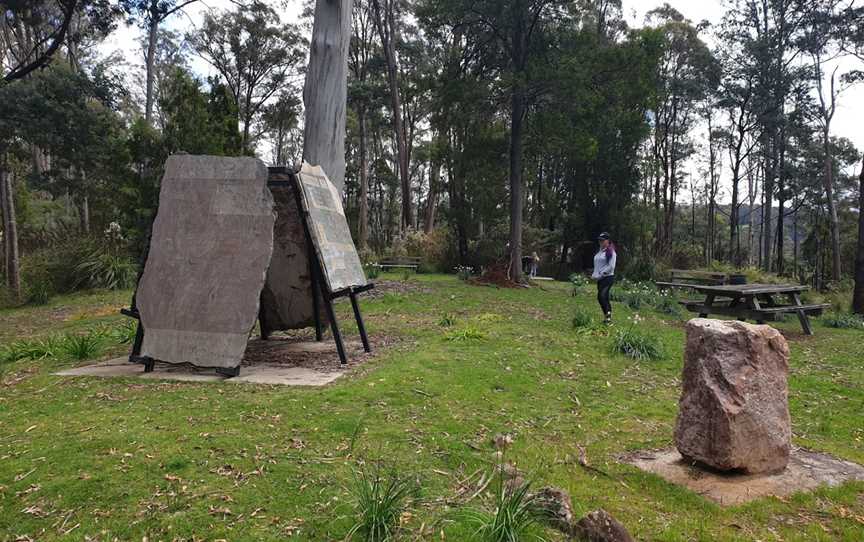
x=858 y=294
x=385 y=22
x=326 y=89
x=362 y=196
x=10 y=229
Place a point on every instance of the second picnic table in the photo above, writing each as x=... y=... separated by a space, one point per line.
x=750 y=301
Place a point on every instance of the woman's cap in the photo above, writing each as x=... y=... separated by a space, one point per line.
x=603 y=236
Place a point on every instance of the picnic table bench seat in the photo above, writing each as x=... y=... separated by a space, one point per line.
x=400 y=262
x=754 y=302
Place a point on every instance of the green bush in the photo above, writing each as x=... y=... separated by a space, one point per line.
x=843 y=320
x=582 y=319
x=76 y=263
x=103 y=269
x=40 y=292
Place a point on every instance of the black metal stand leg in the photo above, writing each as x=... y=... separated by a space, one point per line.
x=319 y=333
x=360 y=325
x=136 y=344
x=334 y=327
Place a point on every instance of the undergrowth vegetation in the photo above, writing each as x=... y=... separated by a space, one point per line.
x=76 y=346
x=843 y=320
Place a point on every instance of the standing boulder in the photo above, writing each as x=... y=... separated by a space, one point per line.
x=734 y=413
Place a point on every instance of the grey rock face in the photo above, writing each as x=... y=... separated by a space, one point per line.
x=733 y=412
x=286 y=301
x=209 y=252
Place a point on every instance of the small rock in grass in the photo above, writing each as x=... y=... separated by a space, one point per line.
x=555 y=508
x=599 y=526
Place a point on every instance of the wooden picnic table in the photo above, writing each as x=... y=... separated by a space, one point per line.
x=752 y=302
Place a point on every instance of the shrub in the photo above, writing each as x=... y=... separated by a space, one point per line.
x=104 y=269
x=75 y=263
x=40 y=292
x=82 y=347
x=432 y=246
x=582 y=319
x=379 y=501
x=843 y=320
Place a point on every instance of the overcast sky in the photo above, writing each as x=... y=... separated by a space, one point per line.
x=847 y=122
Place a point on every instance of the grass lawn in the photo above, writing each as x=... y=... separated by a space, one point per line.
x=115 y=459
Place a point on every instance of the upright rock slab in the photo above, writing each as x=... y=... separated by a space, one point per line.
x=286 y=301
x=209 y=252
x=734 y=411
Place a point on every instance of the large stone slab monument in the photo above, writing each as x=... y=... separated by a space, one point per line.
x=734 y=412
x=210 y=249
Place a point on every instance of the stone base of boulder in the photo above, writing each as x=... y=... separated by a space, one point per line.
x=807 y=470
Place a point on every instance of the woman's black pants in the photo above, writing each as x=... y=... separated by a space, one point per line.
x=603 y=287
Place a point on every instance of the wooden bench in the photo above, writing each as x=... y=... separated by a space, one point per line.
x=685 y=278
x=400 y=262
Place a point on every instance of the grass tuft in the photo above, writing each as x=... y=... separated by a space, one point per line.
x=582 y=319
x=379 y=501
x=516 y=513
x=447 y=320
x=82 y=347
x=32 y=350
x=637 y=345
x=466 y=334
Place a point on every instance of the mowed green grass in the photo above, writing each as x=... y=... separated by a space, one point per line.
x=106 y=459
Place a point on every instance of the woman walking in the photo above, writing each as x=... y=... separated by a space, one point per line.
x=604 y=274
